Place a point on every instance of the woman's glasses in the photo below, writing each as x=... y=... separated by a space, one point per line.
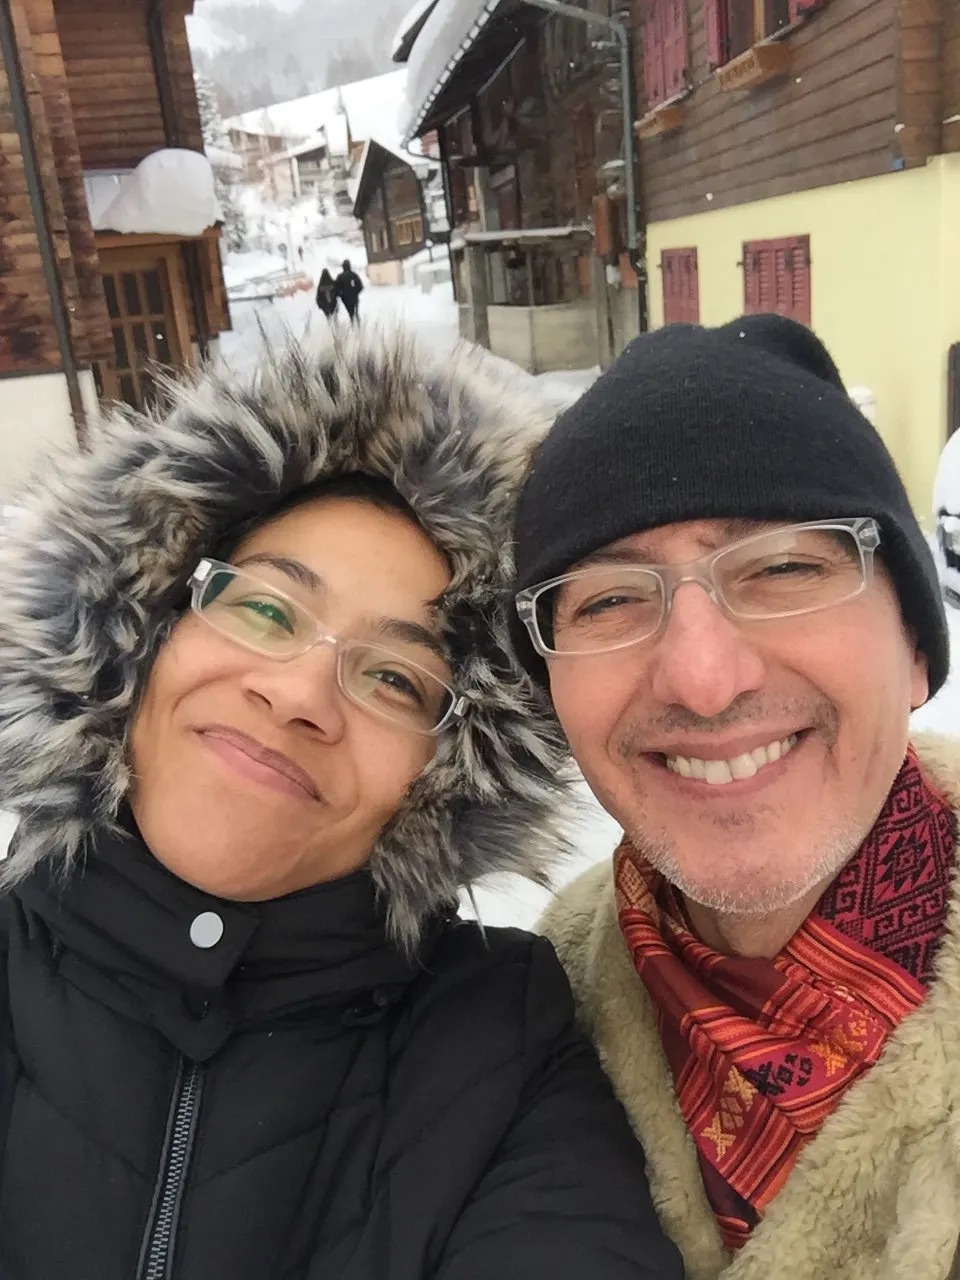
x=386 y=682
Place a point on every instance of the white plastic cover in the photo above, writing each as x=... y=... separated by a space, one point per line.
x=170 y=193
x=946 y=508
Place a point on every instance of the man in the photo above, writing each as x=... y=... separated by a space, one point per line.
x=349 y=287
x=723 y=585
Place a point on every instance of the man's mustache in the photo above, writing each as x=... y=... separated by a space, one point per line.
x=747 y=709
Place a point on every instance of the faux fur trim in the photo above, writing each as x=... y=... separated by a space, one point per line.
x=876 y=1196
x=91 y=573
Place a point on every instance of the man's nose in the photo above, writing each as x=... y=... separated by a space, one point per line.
x=703 y=659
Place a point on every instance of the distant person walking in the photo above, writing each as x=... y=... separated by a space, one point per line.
x=327 y=296
x=349 y=287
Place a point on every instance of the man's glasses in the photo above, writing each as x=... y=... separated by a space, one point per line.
x=386 y=682
x=779 y=573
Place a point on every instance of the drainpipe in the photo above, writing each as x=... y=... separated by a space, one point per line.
x=48 y=258
x=622 y=36
x=172 y=138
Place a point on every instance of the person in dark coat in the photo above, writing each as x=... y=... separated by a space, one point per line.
x=349 y=287
x=327 y=298
x=260 y=726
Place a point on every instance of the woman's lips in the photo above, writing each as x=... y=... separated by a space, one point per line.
x=258 y=761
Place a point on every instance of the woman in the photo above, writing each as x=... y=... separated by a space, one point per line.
x=327 y=299
x=260 y=732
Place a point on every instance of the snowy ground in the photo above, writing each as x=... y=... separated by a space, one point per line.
x=434 y=318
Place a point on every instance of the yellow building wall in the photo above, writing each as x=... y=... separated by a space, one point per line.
x=885 y=291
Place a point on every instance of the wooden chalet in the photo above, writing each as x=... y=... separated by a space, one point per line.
x=87 y=92
x=529 y=122
x=391 y=206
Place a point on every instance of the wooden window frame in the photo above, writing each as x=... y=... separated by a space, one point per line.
x=759 y=56
x=777 y=277
x=680 y=282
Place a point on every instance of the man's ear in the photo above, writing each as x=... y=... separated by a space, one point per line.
x=919 y=680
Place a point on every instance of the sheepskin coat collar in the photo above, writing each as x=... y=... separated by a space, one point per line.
x=876 y=1196
x=94 y=571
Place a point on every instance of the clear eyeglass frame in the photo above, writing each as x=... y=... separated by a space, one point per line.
x=200 y=580
x=864 y=529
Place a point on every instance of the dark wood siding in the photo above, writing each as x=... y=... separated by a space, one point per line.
x=831 y=120
x=113 y=88
x=951 y=75
x=28 y=342
x=67 y=205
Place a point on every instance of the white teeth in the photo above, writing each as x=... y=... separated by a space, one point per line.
x=743 y=766
x=720 y=772
x=717 y=772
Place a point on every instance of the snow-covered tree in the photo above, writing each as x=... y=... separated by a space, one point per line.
x=216 y=141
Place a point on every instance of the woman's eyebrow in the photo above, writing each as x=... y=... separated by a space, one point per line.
x=296 y=570
x=409 y=633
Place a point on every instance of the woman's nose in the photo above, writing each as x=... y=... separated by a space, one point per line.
x=703 y=659
x=304 y=689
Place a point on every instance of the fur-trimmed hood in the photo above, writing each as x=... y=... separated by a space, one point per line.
x=93 y=571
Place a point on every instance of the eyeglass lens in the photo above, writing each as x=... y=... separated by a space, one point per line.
x=788 y=571
x=386 y=682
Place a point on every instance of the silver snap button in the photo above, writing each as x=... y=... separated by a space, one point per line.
x=206 y=930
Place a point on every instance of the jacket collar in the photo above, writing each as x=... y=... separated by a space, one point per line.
x=916 y=1071
x=198 y=967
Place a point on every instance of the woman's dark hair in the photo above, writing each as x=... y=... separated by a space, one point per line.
x=376 y=490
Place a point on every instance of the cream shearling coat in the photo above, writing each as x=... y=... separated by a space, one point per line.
x=876 y=1195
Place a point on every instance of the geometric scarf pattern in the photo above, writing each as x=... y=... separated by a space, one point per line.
x=762 y=1050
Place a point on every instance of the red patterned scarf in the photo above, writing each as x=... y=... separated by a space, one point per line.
x=763 y=1050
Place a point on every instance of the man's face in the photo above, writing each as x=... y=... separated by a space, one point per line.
x=820 y=703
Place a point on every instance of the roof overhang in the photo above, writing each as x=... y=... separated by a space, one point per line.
x=462 y=44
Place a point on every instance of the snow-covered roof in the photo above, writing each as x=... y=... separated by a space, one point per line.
x=410 y=28
x=448 y=33
x=418 y=163
x=373 y=108
x=171 y=192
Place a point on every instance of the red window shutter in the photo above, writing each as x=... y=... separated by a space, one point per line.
x=798 y=8
x=674 y=46
x=793 y=291
x=776 y=277
x=751 y=278
x=715 y=22
x=681 y=290
x=654 y=80
x=690 y=287
x=671 y=309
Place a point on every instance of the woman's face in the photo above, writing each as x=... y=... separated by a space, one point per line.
x=236 y=820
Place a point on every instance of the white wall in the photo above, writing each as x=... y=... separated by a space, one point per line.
x=35 y=418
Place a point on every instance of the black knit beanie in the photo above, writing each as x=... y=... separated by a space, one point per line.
x=748 y=420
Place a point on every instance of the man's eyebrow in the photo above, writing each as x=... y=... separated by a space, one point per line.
x=731 y=531
x=296 y=570
x=614 y=555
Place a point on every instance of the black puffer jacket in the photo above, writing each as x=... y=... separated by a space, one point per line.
x=346 y=1084
x=299 y=1102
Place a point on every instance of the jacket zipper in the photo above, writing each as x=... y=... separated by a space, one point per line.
x=160 y=1237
